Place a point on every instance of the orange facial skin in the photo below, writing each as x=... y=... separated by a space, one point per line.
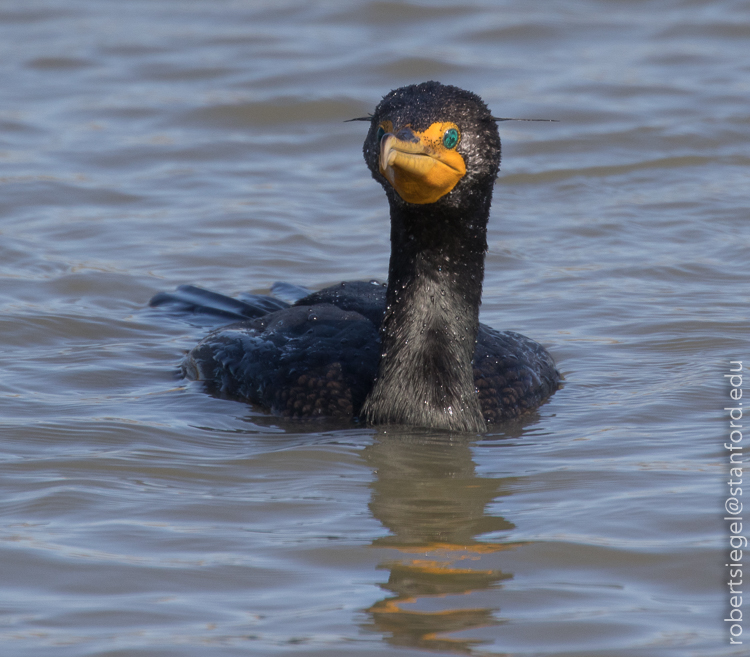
x=423 y=171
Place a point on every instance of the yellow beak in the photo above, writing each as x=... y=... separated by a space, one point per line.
x=421 y=171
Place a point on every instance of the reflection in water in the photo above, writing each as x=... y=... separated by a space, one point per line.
x=428 y=495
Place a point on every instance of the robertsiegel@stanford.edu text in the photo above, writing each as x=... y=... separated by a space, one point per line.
x=732 y=504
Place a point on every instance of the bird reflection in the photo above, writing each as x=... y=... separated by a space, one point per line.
x=429 y=497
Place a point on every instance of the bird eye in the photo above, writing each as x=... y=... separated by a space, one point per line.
x=450 y=138
x=380 y=134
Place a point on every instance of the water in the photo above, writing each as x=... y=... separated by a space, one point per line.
x=148 y=144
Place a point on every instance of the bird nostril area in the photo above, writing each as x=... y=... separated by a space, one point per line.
x=406 y=134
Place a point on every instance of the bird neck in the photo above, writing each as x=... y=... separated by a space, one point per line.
x=425 y=376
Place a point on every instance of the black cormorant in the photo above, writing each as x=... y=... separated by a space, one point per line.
x=412 y=352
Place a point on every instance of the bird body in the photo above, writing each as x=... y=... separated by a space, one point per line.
x=412 y=352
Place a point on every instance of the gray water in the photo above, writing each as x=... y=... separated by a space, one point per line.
x=146 y=144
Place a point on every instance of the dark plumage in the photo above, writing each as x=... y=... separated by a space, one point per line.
x=413 y=353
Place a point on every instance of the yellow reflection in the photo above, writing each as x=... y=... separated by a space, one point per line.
x=429 y=497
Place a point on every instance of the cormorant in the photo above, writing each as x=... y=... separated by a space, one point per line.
x=411 y=353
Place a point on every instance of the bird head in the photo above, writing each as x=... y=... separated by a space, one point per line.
x=431 y=143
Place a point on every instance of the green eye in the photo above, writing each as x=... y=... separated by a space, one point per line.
x=450 y=138
x=380 y=134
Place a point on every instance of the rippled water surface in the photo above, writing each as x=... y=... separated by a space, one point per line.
x=145 y=144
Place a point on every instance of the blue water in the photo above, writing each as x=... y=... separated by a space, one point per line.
x=148 y=144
